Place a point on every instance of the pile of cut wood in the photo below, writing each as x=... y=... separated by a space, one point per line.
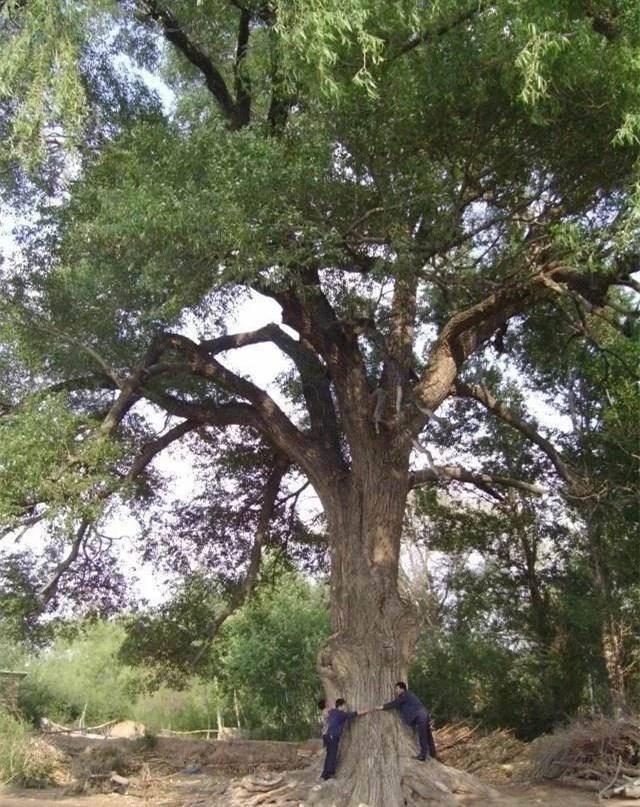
x=493 y=755
x=600 y=755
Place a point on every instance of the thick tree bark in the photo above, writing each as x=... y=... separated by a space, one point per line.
x=374 y=629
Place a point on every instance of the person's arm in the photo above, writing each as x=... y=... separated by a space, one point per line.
x=396 y=703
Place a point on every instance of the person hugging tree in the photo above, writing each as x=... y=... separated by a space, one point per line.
x=336 y=720
x=415 y=715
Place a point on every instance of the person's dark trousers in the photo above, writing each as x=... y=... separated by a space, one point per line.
x=421 y=723
x=432 y=742
x=331 y=759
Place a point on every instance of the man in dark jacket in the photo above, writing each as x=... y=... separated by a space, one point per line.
x=415 y=715
x=336 y=720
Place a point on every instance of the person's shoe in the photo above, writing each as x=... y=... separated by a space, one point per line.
x=420 y=757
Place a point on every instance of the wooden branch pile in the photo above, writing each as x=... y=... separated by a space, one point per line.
x=599 y=755
x=464 y=746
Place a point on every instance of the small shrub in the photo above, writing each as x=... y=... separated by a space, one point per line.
x=24 y=759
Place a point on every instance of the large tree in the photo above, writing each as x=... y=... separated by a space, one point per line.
x=410 y=183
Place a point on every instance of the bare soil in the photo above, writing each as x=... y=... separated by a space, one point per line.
x=159 y=779
x=204 y=791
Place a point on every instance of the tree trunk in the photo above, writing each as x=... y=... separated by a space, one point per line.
x=613 y=652
x=370 y=649
x=612 y=642
x=374 y=631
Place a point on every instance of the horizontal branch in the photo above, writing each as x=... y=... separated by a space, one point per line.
x=454 y=473
x=206 y=413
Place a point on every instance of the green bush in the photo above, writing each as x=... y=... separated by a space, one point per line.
x=24 y=759
x=194 y=707
x=83 y=670
x=268 y=655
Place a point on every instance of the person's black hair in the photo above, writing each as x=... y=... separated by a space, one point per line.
x=340 y=702
x=322 y=703
x=401 y=684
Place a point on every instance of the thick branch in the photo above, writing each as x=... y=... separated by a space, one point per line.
x=336 y=341
x=242 y=114
x=206 y=412
x=468 y=330
x=129 y=387
x=399 y=344
x=313 y=374
x=231 y=341
x=453 y=473
x=269 y=418
x=281 y=101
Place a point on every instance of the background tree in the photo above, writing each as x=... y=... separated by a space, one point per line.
x=406 y=183
x=553 y=582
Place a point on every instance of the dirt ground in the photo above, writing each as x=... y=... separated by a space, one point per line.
x=160 y=781
x=203 y=791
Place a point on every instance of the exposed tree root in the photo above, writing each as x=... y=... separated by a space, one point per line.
x=424 y=784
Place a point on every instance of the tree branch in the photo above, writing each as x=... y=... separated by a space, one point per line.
x=482 y=394
x=242 y=114
x=454 y=473
x=246 y=587
x=46 y=593
x=442 y=29
x=266 y=415
x=336 y=341
x=468 y=330
x=399 y=344
x=175 y=34
x=316 y=386
x=149 y=451
x=154 y=447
